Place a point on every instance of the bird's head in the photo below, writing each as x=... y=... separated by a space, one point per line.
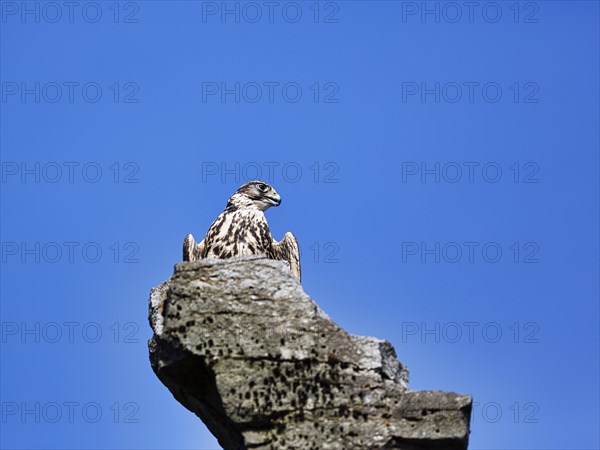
x=254 y=195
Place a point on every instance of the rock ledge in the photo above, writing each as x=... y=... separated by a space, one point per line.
x=241 y=345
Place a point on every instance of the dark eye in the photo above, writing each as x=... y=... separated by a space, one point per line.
x=262 y=187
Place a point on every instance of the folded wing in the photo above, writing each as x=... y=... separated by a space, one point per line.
x=288 y=250
x=191 y=250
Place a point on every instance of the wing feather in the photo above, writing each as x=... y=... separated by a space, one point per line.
x=288 y=250
x=191 y=250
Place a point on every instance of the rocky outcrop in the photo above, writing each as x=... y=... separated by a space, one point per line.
x=241 y=345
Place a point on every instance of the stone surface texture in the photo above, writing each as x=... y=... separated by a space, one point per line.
x=239 y=343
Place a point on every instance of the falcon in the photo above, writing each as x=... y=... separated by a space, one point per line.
x=242 y=230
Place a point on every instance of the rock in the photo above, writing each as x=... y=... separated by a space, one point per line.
x=241 y=345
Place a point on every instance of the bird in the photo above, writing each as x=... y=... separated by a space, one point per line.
x=242 y=230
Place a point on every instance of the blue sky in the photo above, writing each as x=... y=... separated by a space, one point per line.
x=438 y=164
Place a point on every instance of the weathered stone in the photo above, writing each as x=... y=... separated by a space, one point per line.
x=241 y=345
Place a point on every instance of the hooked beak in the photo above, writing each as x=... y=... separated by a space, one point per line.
x=275 y=200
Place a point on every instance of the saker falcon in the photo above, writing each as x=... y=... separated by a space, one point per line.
x=242 y=230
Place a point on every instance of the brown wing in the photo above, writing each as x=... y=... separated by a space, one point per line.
x=191 y=250
x=288 y=250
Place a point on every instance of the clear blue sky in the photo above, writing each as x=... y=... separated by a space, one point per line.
x=438 y=164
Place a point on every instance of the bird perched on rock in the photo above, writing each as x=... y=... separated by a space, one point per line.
x=242 y=230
